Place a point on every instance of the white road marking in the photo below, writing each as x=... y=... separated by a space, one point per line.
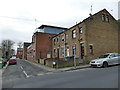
x=26 y=74
x=49 y=73
x=40 y=74
x=21 y=67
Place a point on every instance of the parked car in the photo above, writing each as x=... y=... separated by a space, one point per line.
x=106 y=59
x=12 y=61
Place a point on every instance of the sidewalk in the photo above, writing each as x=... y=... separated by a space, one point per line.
x=3 y=69
x=50 y=69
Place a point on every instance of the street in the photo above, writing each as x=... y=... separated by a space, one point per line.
x=35 y=77
x=22 y=69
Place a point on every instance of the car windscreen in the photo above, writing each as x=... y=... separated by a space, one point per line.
x=104 y=56
x=12 y=59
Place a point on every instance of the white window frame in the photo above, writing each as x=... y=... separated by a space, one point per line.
x=66 y=36
x=103 y=17
x=68 y=52
x=62 y=38
x=74 y=33
x=81 y=30
x=107 y=18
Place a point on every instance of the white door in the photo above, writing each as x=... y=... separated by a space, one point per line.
x=67 y=51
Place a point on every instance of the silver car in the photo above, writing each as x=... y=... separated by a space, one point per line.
x=106 y=59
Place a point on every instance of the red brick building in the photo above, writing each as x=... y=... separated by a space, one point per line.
x=25 y=45
x=19 y=53
x=41 y=44
x=40 y=47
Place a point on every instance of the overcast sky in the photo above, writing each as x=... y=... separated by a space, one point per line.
x=17 y=17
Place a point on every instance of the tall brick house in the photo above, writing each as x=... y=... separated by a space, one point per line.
x=95 y=35
x=40 y=47
x=19 y=53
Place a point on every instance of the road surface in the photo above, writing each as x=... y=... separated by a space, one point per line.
x=14 y=77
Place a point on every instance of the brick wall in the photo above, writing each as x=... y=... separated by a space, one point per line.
x=19 y=53
x=102 y=35
x=25 y=45
x=42 y=44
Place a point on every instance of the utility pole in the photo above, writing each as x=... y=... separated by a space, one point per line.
x=74 y=47
x=111 y=11
x=35 y=23
x=91 y=9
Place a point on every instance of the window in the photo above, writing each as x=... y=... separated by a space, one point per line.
x=74 y=34
x=112 y=55
x=81 y=30
x=57 y=39
x=74 y=51
x=66 y=36
x=48 y=52
x=67 y=51
x=54 y=52
x=107 y=18
x=62 y=38
x=103 y=17
x=62 y=51
x=91 y=49
x=54 y=42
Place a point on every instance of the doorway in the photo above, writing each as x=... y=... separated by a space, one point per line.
x=82 y=50
x=58 y=53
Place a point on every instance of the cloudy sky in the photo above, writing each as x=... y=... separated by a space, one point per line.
x=17 y=17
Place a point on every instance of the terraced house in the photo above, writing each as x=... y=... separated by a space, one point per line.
x=95 y=35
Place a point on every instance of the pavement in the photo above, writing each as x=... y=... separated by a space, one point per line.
x=3 y=69
x=50 y=69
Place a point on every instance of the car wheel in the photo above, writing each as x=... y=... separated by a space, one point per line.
x=105 y=64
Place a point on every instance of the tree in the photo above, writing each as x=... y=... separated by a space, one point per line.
x=6 y=47
x=20 y=44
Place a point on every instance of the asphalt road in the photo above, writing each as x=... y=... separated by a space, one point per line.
x=18 y=71
x=84 y=78
x=14 y=77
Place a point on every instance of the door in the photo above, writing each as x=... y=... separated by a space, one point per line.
x=113 y=59
x=58 y=53
x=82 y=50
